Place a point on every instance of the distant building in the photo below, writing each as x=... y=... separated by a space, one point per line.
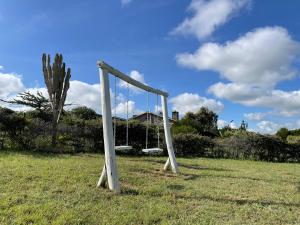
x=118 y=119
x=175 y=116
x=155 y=118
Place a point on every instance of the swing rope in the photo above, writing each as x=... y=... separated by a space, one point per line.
x=115 y=111
x=147 y=123
x=157 y=121
x=122 y=147
x=127 y=122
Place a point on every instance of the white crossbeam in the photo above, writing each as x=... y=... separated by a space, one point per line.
x=129 y=80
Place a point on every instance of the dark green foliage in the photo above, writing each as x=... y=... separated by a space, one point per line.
x=12 y=126
x=192 y=144
x=183 y=129
x=295 y=132
x=35 y=114
x=204 y=121
x=254 y=146
x=30 y=131
x=283 y=133
x=76 y=135
x=85 y=113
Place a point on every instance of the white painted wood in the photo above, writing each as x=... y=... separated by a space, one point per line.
x=109 y=172
x=168 y=137
x=167 y=164
x=152 y=150
x=129 y=80
x=123 y=148
x=110 y=155
x=103 y=178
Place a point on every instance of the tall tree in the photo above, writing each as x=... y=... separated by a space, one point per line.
x=283 y=133
x=57 y=80
x=204 y=121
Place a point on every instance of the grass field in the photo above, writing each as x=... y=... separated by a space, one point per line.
x=38 y=189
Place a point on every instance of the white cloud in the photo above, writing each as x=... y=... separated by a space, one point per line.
x=136 y=75
x=1 y=68
x=84 y=94
x=285 y=103
x=223 y=123
x=208 y=15
x=260 y=58
x=188 y=102
x=240 y=93
x=271 y=127
x=254 y=64
x=125 y=2
x=267 y=127
x=232 y=125
x=10 y=84
x=79 y=94
x=255 y=116
x=121 y=109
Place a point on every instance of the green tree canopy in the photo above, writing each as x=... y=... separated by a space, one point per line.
x=283 y=133
x=85 y=113
x=204 y=121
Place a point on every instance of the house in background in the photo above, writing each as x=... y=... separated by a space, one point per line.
x=155 y=118
x=118 y=119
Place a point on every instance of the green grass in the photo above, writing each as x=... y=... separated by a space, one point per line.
x=38 y=189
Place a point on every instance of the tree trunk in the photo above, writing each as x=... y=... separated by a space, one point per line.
x=54 y=132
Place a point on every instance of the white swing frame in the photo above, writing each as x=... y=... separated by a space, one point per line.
x=109 y=172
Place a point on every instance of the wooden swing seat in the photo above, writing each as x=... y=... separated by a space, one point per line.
x=152 y=150
x=123 y=148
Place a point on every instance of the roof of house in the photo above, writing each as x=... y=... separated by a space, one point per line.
x=145 y=113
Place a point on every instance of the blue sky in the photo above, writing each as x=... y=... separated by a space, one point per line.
x=240 y=58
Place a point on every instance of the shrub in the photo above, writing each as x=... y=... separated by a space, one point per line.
x=293 y=139
x=192 y=144
x=283 y=133
x=184 y=129
x=85 y=113
x=251 y=146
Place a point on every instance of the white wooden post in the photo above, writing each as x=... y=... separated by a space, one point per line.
x=103 y=177
x=167 y=164
x=172 y=159
x=110 y=155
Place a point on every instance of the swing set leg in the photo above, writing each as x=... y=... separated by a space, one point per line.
x=103 y=178
x=167 y=165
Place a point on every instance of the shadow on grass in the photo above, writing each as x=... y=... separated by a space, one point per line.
x=175 y=187
x=246 y=178
x=188 y=176
x=165 y=174
x=238 y=201
x=197 y=167
x=228 y=200
x=129 y=191
x=188 y=166
x=153 y=173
